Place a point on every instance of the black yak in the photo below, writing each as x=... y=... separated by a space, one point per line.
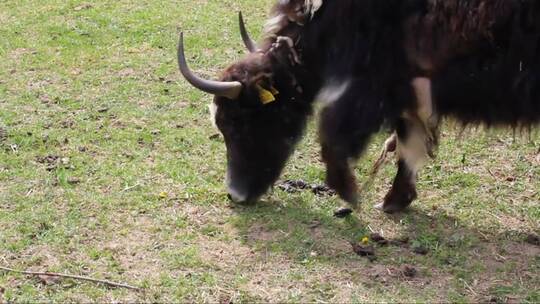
x=401 y=64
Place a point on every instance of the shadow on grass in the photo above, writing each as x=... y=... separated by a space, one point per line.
x=467 y=263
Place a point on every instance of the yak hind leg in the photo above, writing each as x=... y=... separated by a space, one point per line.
x=417 y=137
x=411 y=153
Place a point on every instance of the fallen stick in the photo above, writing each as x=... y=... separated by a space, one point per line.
x=390 y=145
x=76 y=277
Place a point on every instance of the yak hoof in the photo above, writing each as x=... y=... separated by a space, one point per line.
x=388 y=209
x=393 y=209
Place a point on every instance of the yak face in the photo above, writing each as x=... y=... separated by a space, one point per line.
x=260 y=127
x=259 y=141
x=261 y=114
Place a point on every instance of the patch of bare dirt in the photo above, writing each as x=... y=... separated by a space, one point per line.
x=136 y=251
x=259 y=232
x=43 y=258
x=17 y=54
x=126 y=73
x=496 y=258
x=83 y=6
x=39 y=85
x=324 y=243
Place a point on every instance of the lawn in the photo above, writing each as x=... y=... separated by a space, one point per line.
x=110 y=168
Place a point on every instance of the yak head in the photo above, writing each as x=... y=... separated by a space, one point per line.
x=260 y=109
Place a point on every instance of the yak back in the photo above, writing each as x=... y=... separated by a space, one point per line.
x=482 y=55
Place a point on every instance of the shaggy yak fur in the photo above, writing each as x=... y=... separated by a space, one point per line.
x=401 y=64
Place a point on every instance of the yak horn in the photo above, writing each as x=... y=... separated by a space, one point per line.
x=229 y=89
x=248 y=42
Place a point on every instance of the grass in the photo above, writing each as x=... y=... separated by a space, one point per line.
x=107 y=170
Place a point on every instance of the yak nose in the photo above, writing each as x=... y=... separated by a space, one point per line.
x=237 y=188
x=242 y=190
x=237 y=195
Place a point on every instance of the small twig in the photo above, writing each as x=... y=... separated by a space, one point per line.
x=389 y=146
x=138 y=184
x=501 y=257
x=131 y=187
x=76 y=277
x=491 y=173
x=468 y=286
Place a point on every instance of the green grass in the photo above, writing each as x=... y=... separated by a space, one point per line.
x=107 y=170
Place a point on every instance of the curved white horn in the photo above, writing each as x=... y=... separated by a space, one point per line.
x=229 y=89
x=248 y=42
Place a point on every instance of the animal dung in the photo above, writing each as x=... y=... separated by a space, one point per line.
x=420 y=250
x=379 y=239
x=533 y=239
x=362 y=250
x=292 y=186
x=409 y=271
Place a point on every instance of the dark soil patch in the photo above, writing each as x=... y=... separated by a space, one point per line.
x=533 y=239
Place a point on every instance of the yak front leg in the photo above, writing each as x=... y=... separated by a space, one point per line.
x=339 y=173
x=347 y=122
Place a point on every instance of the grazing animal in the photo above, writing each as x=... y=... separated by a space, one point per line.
x=401 y=64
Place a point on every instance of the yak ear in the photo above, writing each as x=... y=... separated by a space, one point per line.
x=228 y=89
x=248 y=42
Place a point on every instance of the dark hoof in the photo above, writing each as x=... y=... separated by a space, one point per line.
x=391 y=209
x=397 y=201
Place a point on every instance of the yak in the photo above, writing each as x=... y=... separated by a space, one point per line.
x=397 y=64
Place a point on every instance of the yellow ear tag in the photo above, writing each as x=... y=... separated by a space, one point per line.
x=265 y=95
x=274 y=91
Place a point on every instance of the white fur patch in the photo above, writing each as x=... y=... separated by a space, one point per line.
x=414 y=150
x=274 y=24
x=332 y=91
x=424 y=100
x=212 y=107
x=312 y=6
